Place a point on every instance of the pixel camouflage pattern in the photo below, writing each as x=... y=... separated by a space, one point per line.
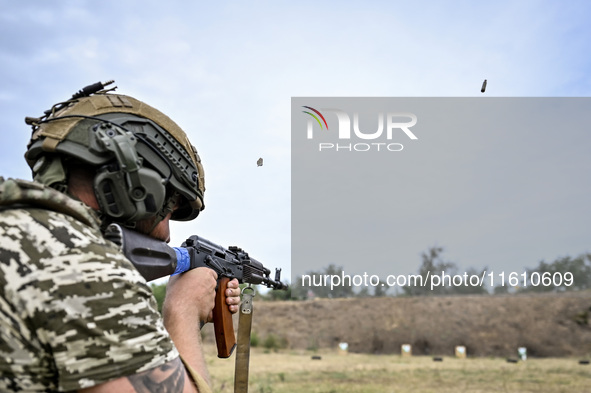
x=74 y=312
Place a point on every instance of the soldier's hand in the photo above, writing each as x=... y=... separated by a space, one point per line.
x=191 y=295
x=233 y=296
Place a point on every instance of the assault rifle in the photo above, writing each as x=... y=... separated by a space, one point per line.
x=155 y=259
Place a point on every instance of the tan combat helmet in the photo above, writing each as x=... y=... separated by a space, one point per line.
x=144 y=161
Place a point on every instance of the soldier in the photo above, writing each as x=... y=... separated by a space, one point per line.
x=74 y=312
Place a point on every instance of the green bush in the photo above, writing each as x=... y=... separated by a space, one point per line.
x=272 y=342
x=254 y=339
x=159 y=291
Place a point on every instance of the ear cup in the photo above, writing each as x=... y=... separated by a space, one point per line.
x=120 y=200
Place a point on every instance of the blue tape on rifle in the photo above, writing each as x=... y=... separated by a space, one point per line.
x=183 y=260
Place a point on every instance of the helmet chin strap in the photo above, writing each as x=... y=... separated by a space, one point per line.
x=167 y=208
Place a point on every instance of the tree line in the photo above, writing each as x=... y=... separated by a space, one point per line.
x=563 y=274
x=542 y=278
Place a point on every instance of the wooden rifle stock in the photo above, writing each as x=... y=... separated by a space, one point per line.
x=222 y=322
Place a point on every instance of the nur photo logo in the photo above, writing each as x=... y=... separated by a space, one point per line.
x=343 y=137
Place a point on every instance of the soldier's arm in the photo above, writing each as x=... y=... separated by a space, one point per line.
x=170 y=377
x=187 y=306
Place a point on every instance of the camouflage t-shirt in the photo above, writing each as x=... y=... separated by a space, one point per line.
x=74 y=312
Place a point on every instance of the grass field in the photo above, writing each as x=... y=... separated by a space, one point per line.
x=296 y=372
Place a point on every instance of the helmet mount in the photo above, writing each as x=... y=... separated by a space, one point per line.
x=125 y=189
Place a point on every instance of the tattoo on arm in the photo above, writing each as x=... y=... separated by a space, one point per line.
x=169 y=377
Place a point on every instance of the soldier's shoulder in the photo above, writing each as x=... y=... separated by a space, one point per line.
x=19 y=193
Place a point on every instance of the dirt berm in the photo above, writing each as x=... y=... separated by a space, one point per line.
x=548 y=325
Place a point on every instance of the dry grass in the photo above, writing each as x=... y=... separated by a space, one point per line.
x=556 y=329
x=292 y=371
x=549 y=325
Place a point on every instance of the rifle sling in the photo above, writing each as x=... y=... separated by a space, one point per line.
x=243 y=346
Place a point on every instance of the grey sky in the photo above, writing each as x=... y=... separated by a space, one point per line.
x=226 y=71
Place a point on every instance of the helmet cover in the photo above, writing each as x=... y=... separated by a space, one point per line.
x=142 y=156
